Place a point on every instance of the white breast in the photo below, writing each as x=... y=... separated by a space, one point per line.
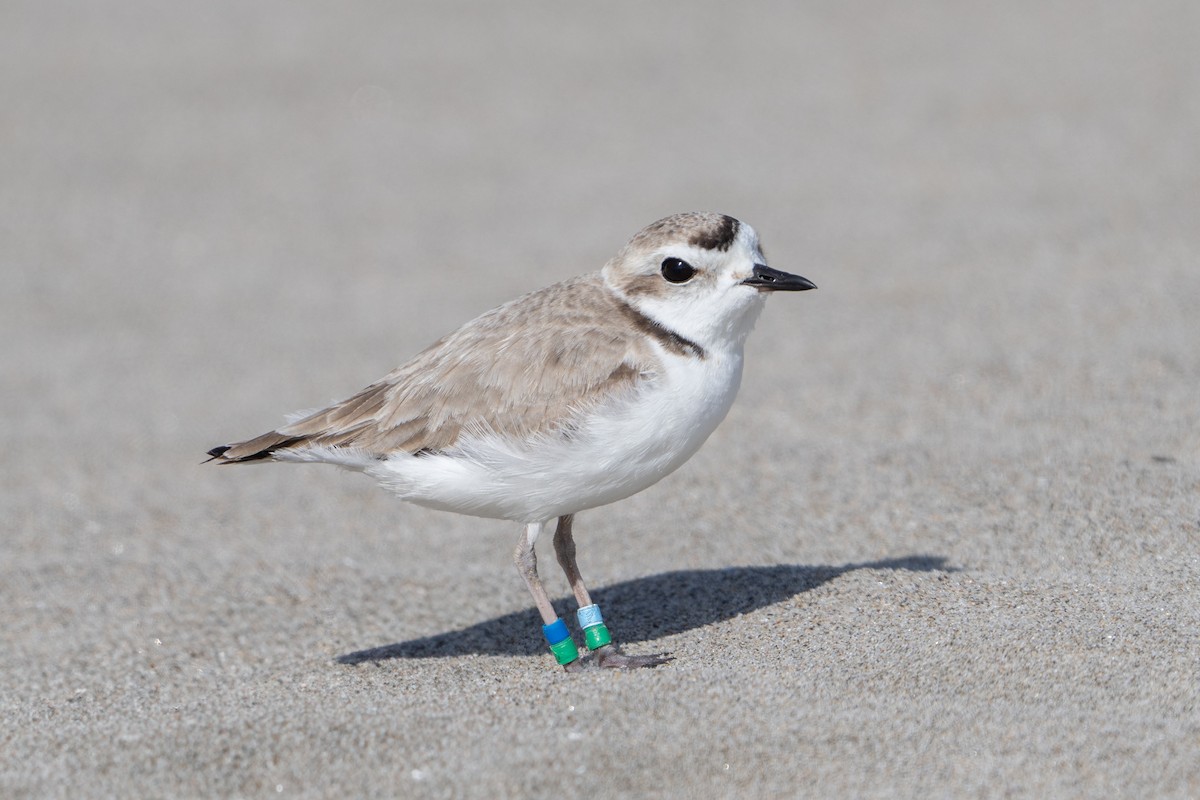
x=618 y=450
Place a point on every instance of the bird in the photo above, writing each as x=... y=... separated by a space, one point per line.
x=568 y=398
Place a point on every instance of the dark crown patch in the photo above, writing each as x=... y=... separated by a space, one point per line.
x=718 y=236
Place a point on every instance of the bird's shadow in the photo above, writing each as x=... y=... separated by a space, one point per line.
x=645 y=608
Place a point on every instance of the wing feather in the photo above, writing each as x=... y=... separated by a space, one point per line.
x=519 y=370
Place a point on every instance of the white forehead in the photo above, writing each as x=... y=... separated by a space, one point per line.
x=696 y=233
x=747 y=241
x=742 y=246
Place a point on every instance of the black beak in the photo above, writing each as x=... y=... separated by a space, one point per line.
x=766 y=278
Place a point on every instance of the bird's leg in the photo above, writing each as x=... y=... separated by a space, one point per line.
x=595 y=631
x=564 y=548
x=526 y=560
x=553 y=628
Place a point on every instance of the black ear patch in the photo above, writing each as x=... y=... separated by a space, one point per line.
x=718 y=236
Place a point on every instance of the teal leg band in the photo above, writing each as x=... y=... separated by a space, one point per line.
x=597 y=636
x=560 y=641
x=594 y=629
x=565 y=651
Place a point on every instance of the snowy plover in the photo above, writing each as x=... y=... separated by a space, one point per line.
x=577 y=395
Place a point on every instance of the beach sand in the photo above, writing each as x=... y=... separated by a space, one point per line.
x=945 y=544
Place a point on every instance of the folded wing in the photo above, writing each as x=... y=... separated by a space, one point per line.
x=523 y=369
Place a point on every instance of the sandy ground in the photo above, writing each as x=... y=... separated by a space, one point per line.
x=945 y=545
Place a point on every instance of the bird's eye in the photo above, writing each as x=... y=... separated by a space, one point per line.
x=676 y=270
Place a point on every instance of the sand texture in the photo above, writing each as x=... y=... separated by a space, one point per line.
x=945 y=544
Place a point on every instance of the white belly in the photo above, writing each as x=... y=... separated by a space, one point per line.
x=619 y=450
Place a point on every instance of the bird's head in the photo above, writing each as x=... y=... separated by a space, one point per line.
x=702 y=275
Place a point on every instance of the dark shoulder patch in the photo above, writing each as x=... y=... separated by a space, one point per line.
x=672 y=341
x=717 y=236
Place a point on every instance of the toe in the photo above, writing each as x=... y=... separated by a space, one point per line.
x=610 y=657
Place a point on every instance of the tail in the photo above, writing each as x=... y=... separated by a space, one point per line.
x=257 y=449
x=342 y=425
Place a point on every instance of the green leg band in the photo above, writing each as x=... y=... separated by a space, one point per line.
x=565 y=651
x=597 y=636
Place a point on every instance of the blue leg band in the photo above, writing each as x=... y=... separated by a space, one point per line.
x=595 y=632
x=555 y=632
x=589 y=616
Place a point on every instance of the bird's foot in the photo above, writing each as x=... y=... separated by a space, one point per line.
x=612 y=658
x=609 y=657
